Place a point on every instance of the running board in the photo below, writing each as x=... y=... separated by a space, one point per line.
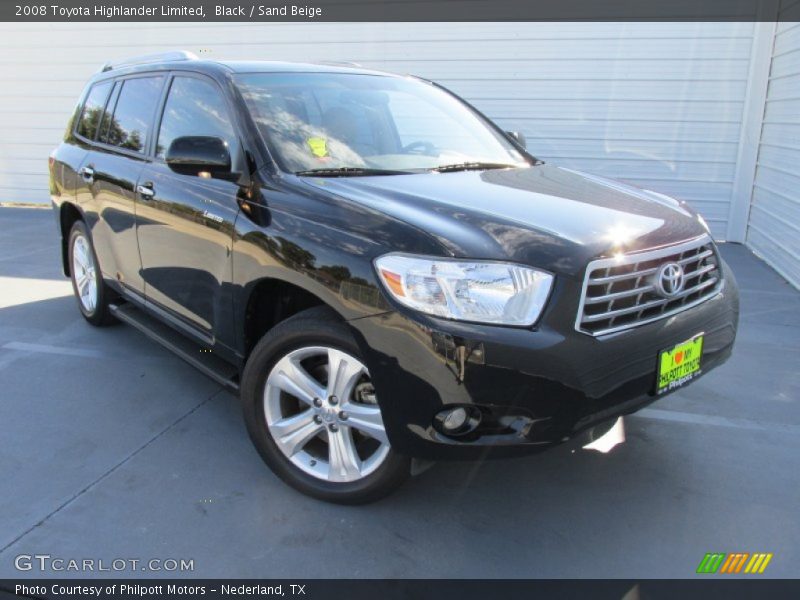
x=192 y=352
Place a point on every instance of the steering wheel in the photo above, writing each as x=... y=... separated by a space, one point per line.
x=420 y=147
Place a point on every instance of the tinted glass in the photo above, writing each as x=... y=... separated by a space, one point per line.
x=194 y=107
x=133 y=113
x=334 y=120
x=93 y=109
x=112 y=102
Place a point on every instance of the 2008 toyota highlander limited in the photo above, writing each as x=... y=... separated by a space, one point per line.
x=385 y=276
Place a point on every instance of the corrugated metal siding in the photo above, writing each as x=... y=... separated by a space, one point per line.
x=656 y=104
x=774 y=226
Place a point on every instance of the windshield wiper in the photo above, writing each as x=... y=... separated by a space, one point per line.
x=472 y=166
x=348 y=172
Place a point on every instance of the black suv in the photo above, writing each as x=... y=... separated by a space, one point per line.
x=385 y=276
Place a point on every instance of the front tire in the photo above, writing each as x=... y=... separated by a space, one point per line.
x=312 y=413
x=87 y=280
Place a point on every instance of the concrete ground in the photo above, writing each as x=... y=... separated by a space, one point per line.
x=114 y=449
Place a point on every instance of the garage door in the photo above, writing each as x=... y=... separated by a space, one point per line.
x=774 y=225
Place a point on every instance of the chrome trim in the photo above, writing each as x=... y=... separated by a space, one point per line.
x=613 y=278
x=636 y=257
x=618 y=295
x=145 y=192
x=652 y=304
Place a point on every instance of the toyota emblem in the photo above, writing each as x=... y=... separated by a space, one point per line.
x=670 y=279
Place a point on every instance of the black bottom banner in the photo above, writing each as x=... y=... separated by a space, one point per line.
x=348 y=589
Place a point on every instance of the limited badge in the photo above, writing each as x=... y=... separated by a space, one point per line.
x=319 y=146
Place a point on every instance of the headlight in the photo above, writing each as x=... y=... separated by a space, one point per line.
x=478 y=291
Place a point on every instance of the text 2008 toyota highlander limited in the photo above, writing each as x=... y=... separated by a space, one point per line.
x=381 y=272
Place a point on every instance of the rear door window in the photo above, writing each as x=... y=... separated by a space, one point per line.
x=112 y=102
x=130 y=122
x=93 y=109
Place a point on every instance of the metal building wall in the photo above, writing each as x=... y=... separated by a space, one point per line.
x=774 y=225
x=656 y=104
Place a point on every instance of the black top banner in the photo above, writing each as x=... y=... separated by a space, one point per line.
x=399 y=10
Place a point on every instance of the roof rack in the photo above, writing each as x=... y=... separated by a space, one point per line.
x=339 y=63
x=150 y=58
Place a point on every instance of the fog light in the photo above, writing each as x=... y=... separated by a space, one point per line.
x=455 y=419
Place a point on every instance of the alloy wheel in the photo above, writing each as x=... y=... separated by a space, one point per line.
x=321 y=411
x=84 y=272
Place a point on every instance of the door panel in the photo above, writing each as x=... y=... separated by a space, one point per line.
x=68 y=160
x=185 y=222
x=185 y=231
x=108 y=176
x=108 y=197
x=71 y=155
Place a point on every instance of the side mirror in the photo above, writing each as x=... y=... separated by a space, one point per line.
x=197 y=155
x=518 y=137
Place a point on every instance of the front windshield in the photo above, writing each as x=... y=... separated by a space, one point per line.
x=327 y=121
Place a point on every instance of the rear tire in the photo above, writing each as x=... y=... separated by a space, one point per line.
x=87 y=281
x=329 y=447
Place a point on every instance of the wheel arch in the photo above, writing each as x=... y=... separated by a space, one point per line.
x=68 y=215
x=270 y=301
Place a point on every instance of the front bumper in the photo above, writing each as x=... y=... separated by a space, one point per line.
x=533 y=387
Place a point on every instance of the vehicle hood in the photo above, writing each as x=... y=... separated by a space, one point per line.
x=545 y=216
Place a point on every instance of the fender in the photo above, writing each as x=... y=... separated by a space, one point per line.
x=318 y=241
x=68 y=213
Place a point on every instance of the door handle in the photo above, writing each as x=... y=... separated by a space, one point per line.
x=146 y=190
x=88 y=174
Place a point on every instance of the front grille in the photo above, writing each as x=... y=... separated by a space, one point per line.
x=620 y=292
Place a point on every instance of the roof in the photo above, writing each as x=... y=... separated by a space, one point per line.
x=263 y=66
x=184 y=60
